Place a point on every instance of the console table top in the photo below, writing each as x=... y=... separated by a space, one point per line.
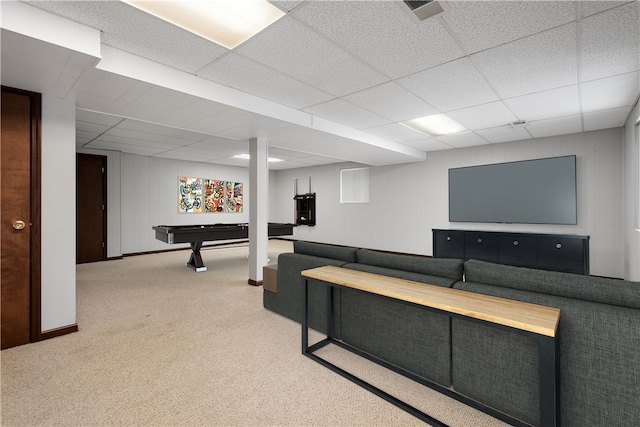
x=534 y=318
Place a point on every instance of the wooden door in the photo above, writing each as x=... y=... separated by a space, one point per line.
x=91 y=208
x=20 y=220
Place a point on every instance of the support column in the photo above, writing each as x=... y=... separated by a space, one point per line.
x=258 y=209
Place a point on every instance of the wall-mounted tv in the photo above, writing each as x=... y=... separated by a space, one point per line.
x=541 y=191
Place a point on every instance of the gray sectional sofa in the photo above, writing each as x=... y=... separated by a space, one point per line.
x=599 y=331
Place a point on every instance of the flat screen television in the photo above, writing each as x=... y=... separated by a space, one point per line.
x=541 y=191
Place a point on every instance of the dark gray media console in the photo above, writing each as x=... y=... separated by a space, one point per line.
x=556 y=252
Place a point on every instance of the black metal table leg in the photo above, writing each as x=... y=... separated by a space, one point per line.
x=549 y=360
x=195 y=260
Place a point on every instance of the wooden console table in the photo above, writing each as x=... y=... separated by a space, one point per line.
x=536 y=321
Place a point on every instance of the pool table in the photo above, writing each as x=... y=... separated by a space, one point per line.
x=195 y=235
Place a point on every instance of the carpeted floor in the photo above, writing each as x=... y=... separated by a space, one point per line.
x=161 y=345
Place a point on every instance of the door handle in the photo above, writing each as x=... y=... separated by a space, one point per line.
x=19 y=225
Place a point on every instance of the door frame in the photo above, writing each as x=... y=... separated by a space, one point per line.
x=35 y=315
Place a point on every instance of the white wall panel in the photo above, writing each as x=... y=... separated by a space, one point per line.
x=150 y=197
x=408 y=200
x=58 y=244
x=631 y=196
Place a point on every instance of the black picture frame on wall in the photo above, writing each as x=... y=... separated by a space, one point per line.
x=305 y=209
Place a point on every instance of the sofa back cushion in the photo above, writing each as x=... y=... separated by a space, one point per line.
x=449 y=268
x=322 y=250
x=403 y=274
x=622 y=293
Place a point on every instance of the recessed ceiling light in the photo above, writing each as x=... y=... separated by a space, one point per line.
x=225 y=22
x=247 y=157
x=436 y=125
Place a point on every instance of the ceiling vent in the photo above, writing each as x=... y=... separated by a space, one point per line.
x=518 y=124
x=424 y=9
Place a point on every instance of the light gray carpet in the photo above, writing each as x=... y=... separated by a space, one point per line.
x=161 y=345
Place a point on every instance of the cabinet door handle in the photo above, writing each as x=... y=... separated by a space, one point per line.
x=515 y=243
x=479 y=240
x=448 y=237
x=558 y=245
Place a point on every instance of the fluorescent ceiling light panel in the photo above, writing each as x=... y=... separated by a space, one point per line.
x=436 y=125
x=247 y=157
x=225 y=22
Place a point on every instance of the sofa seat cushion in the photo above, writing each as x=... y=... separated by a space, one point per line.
x=323 y=250
x=622 y=293
x=402 y=274
x=449 y=268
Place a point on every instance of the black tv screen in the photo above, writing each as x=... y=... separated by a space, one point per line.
x=541 y=191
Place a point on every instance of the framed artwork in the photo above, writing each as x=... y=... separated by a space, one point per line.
x=197 y=195
x=213 y=195
x=189 y=195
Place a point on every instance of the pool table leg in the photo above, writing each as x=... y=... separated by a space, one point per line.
x=195 y=260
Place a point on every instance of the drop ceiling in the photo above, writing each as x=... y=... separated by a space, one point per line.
x=331 y=80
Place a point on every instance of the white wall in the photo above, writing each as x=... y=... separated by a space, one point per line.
x=408 y=200
x=632 y=196
x=58 y=213
x=149 y=196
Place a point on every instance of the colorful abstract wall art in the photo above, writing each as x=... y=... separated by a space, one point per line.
x=189 y=195
x=198 y=195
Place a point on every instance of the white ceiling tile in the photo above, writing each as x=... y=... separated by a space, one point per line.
x=381 y=33
x=295 y=50
x=155 y=103
x=559 y=102
x=610 y=44
x=395 y=132
x=504 y=134
x=606 y=119
x=428 y=145
x=137 y=32
x=356 y=49
x=346 y=113
x=483 y=116
x=92 y=128
x=150 y=131
x=609 y=93
x=450 y=86
x=462 y=139
x=101 y=91
x=180 y=154
x=592 y=7
x=539 y=62
x=555 y=126
x=136 y=139
x=97 y=118
x=285 y=5
x=392 y=102
x=497 y=22
x=196 y=115
x=144 y=150
x=215 y=143
x=248 y=76
x=85 y=135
